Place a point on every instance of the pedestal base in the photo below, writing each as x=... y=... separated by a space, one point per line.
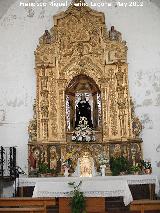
x=93 y=205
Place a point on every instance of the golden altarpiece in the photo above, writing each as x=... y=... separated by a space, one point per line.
x=79 y=58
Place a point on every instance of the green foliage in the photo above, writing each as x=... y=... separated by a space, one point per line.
x=43 y=168
x=118 y=165
x=78 y=199
x=135 y=168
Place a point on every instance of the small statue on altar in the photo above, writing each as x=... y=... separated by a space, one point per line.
x=83 y=109
x=114 y=34
x=86 y=165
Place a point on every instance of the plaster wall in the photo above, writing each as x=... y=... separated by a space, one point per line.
x=20 y=29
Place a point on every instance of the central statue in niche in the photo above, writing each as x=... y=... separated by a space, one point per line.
x=83 y=109
x=83 y=122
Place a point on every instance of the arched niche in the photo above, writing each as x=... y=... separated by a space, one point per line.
x=82 y=85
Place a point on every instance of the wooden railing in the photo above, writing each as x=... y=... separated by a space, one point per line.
x=26 y=205
x=145 y=205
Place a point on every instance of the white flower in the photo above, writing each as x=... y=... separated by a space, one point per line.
x=73 y=138
x=102 y=159
x=102 y=166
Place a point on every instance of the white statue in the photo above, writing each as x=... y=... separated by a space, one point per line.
x=85 y=166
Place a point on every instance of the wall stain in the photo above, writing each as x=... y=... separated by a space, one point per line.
x=147 y=102
x=138 y=83
x=147 y=122
x=42 y=14
x=158 y=148
x=158 y=100
x=2 y=115
x=158 y=164
x=148 y=92
x=9 y=20
x=156 y=86
x=15 y=103
x=140 y=75
x=30 y=12
x=138 y=105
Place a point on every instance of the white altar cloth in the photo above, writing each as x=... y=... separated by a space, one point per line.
x=131 y=180
x=90 y=187
x=108 y=186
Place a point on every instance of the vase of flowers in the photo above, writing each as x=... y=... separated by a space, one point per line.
x=103 y=172
x=67 y=163
x=146 y=166
x=66 y=171
x=102 y=162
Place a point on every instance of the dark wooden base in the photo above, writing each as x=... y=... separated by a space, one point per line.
x=93 y=205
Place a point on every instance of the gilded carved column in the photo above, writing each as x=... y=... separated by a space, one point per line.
x=53 y=112
x=95 y=110
x=122 y=111
x=43 y=102
x=104 y=94
x=123 y=100
x=113 y=110
x=62 y=124
x=53 y=108
x=72 y=112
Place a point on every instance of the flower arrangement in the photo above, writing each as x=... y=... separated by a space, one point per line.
x=146 y=164
x=83 y=132
x=147 y=167
x=102 y=160
x=67 y=161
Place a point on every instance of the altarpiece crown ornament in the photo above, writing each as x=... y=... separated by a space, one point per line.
x=82 y=82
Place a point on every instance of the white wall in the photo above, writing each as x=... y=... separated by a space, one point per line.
x=20 y=29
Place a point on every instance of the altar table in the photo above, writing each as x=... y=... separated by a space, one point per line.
x=96 y=188
x=109 y=186
x=131 y=180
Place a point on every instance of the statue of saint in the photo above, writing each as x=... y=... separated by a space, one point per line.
x=83 y=109
x=114 y=34
x=86 y=164
x=47 y=37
